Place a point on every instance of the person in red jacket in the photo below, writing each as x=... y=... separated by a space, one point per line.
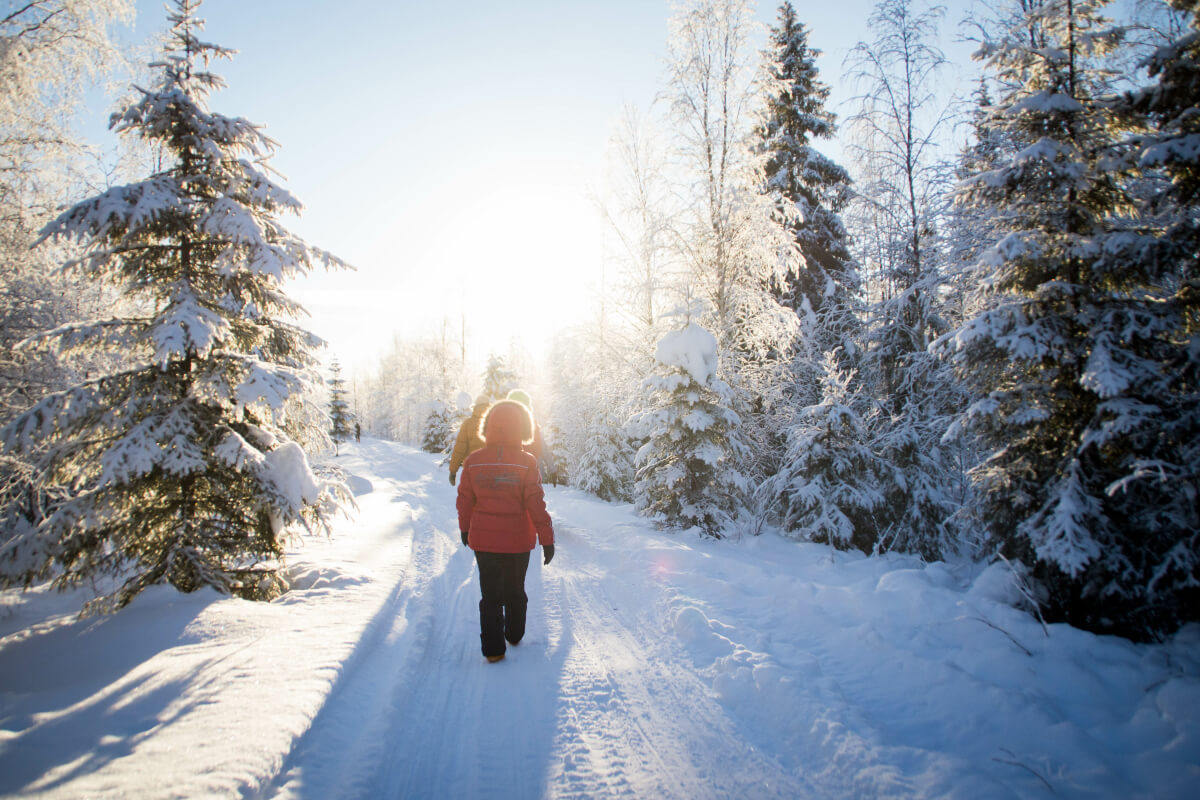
x=502 y=515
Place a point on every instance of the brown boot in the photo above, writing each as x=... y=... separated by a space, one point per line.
x=494 y=659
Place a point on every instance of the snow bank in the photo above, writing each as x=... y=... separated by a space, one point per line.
x=895 y=681
x=887 y=677
x=189 y=695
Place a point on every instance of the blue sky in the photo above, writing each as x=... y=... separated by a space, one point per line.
x=451 y=150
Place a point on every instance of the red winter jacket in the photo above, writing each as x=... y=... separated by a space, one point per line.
x=500 y=499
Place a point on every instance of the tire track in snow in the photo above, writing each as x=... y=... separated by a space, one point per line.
x=635 y=720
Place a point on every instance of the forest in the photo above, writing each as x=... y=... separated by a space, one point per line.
x=963 y=328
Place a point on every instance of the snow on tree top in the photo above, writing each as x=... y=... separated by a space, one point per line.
x=692 y=349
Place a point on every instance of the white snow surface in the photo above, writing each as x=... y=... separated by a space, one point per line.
x=656 y=664
x=692 y=349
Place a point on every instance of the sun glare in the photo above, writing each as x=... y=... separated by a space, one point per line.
x=517 y=261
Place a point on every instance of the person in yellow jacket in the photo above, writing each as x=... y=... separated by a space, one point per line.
x=468 y=440
x=537 y=448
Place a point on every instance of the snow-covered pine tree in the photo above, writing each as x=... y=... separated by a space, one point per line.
x=1073 y=360
x=441 y=426
x=828 y=491
x=823 y=287
x=605 y=464
x=1145 y=367
x=181 y=467
x=341 y=425
x=688 y=469
x=498 y=378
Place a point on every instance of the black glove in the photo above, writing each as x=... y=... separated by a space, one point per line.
x=464 y=537
x=451 y=478
x=548 y=552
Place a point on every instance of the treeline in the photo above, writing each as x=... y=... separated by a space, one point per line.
x=981 y=351
x=986 y=350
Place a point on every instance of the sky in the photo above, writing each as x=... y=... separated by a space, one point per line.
x=452 y=151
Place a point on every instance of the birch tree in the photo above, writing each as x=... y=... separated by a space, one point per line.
x=51 y=53
x=731 y=240
x=896 y=135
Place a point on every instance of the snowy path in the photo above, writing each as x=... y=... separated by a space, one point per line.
x=592 y=703
x=655 y=665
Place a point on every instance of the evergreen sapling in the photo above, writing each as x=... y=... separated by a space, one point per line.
x=687 y=470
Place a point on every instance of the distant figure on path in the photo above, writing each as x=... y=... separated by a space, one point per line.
x=468 y=440
x=357 y=432
x=502 y=516
x=538 y=447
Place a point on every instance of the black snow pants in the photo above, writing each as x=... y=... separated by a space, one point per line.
x=502 y=608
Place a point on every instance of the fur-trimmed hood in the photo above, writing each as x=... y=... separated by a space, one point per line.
x=507 y=423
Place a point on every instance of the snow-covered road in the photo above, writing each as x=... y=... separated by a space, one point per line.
x=594 y=702
x=655 y=665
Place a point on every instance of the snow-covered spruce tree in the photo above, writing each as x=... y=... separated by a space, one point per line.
x=1074 y=362
x=181 y=467
x=441 y=426
x=341 y=425
x=1145 y=366
x=828 y=491
x=498 y=378
x=604 y=466
x=823 y=287
x=897 y=129
x=971 y=229
x=687 y=472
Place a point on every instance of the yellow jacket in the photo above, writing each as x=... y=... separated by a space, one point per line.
x=468 y=440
